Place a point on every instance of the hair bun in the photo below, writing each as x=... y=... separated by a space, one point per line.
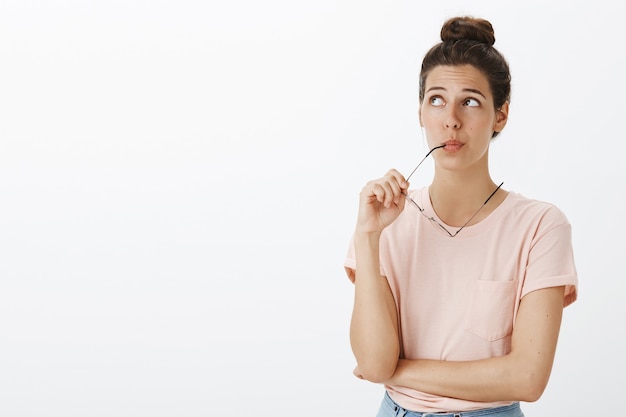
x=468 y=28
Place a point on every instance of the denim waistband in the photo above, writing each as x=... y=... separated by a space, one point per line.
x=511 y=410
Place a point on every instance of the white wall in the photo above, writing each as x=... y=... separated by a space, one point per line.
x=179 y=180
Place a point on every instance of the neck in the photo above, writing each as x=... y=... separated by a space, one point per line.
x=456 y=197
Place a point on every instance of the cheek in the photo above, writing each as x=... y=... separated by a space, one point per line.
x=429 y=118
x=486 y=123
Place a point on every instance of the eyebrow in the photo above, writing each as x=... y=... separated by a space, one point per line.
x=468 y=90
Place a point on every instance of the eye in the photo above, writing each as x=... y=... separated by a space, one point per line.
x=471 y=102
x=436 y=101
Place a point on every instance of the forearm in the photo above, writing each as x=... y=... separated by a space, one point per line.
x=374 y=327
x=521 y=375
x=494 y=379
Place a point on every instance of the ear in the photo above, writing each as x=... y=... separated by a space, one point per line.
x=502 y=116
x=419 y=114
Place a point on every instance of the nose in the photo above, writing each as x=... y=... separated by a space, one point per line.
x=452 y=120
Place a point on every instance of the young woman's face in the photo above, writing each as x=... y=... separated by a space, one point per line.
x=458 y=111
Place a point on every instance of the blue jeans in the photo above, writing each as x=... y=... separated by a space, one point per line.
x=389 y=408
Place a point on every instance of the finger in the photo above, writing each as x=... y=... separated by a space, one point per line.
x=395 y=189
x=385 y=192
x=382 y=192
x=399 y=178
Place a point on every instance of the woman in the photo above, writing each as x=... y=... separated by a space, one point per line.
x=459 y=286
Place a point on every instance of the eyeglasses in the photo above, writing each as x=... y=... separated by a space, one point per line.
x=431 y=218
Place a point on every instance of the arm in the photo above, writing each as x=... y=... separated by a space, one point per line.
x=374 y=325
x=521 y=375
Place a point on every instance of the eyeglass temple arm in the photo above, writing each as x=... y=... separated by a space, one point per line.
x=423 y=159
x=494 y=191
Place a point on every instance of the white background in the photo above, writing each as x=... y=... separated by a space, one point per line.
x=179 y=181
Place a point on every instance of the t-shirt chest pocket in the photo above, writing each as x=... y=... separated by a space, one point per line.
x=491 y=308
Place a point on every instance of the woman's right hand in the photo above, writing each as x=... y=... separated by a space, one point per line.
x=381 y=201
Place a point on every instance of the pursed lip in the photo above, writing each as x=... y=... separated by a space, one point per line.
x=452 y=145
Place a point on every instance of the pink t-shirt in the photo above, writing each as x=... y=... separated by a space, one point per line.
x=457 y=298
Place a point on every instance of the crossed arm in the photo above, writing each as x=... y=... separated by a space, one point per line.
x=520 y=375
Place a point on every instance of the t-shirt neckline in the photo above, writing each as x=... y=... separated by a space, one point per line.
x=468 y=231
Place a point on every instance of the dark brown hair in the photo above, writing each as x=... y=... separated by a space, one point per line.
x=469 y=40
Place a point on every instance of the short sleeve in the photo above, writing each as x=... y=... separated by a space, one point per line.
x=551 y=258
x=349 y=263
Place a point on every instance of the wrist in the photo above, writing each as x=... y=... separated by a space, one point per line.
x=368 y=241
x=367 y=235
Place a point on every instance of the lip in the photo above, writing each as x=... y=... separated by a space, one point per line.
x=452 y=145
